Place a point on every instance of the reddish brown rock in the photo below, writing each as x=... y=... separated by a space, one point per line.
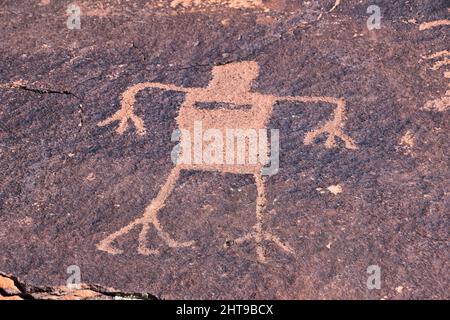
x=337 y=206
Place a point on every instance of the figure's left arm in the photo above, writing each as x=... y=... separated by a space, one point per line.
x=333 y=127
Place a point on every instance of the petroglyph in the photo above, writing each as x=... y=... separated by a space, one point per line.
x=440 y=63
x=230 y=84
x=441 y=59
x=447 y=76
x=439 y=104
x=336 y=4
x=406 y=144
x=433 y=24
x=335 y=189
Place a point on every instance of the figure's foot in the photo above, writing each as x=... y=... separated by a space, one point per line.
x=332 y=132
x=123 y=116
x=258 y=236
x=107 y=246
x=107 y=243
x=142 y=249
x=172 y=243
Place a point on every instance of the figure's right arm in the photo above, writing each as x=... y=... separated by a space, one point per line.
x=126 y=111
x=163 y=86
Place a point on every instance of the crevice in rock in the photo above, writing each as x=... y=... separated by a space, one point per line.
x=45 y=91
x=22 y=85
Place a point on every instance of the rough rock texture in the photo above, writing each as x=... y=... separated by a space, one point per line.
x=12 y=289
x=67 y=183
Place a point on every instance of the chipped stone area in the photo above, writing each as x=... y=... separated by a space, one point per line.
x=406 y=144
x=335 y=189
x=13 y=289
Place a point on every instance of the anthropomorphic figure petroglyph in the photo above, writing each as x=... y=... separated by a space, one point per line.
x=230 y=84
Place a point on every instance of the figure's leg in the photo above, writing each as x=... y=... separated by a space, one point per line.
x=149 y=217
x=258 y=234
x=106 y=244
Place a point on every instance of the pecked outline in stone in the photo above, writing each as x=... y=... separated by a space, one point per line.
x=442 y=58
x=230 y=84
